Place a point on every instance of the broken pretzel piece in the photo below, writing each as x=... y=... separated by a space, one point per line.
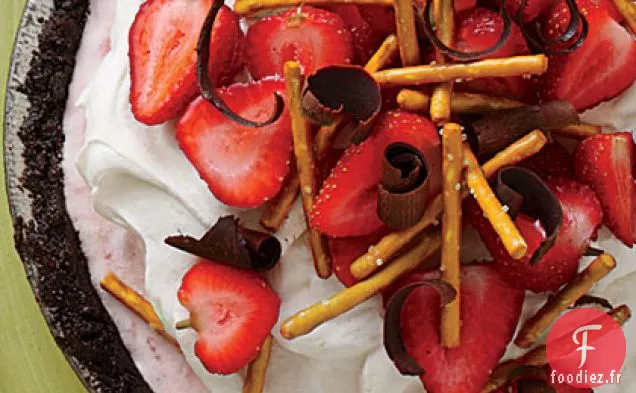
x=256 y=371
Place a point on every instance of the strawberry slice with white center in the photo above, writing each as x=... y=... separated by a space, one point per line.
x=233 y=312
x=600 y=69
x=163 y=40
x=490 y=310
x=582 y=215
x=347 y=202
x=313 y=37
x=243 y=166
x=605 y=163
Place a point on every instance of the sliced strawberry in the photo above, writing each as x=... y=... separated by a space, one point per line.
x=582 y=215
x=598 y=70
x=587 y=6
x=552 y=160
x=346 y=205
x=604 y=162
x=232 y=310
x=365 y=41
x=163 y=40
x=380 y=18
x=312 y=36
x=345 y=250
x=243 y=166
x=532 y=9
x=480 y=29
x=490 y=310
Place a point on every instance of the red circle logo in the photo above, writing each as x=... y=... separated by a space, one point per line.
x=586 y=349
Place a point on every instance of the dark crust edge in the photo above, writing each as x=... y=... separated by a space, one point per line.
x=49 y=244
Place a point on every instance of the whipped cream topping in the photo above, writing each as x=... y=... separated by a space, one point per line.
x=139 y=178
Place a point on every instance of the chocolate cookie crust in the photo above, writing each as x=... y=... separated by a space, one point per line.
x=48 y=243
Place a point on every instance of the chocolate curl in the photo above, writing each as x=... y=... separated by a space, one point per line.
x=208 y=90
x=229 y=243
x=402 y=194
x=393 y=342
x=495 y=130
x=523 y=191
x=340 y=89
x=595 y=300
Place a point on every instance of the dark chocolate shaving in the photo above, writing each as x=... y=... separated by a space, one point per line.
x=592 y=300
x=523 y=191
x=208 y=90
x=342 y=89
x=424 y=22
x=229 y=243
x=402 y=194
x=393 y=342
x=493 y=131
x=533 y=32
x=593 y=252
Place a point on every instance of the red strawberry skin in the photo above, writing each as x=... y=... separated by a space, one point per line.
x=532 y=9
x=480 y=29
x=605 y=162
x=345 y=250
x=490 y=310
x=582 y=215
x=162 y=53
x=598 y=70
x=552 y=160
x=243 y=166
x=314 y=37
x=232 y=310
x=365 y=42
x=347 y=202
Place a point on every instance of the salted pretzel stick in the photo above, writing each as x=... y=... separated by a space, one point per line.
x=452 y=166
x=582 y=130
x=256 y=371
x=380 y=59
x=406 y=32
x=305 y=165
x=534 y=327
x=444 y=14
x=313 y=316
x=627 y=8
x=136 y=303
x=392 y=243
x=277 y=209
x=496 y=214
x=247 y=7
x=417 y=101
x=419 y=75
x=538 y=356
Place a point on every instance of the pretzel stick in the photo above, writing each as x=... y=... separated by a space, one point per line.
x=380 y=59
x=313 y=316
x=255 y=378
x=392 y=243
x=443 y=13
x=247 y=7
x=416 y=101
x=496 y=214
x=406 y=32
x=582 y=130
x=277 y=209
x=419 y=75
x=534 y=327
x=305 y=165
x=136 y=303
x=538 y=356
x=451 y=229
x=627 y=8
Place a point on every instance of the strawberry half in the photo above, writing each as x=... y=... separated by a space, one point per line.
x=604 y=162
x=490 y=310
x=480 y=29
x=232 y=310
x=243 y=166
x=163 y=40
x=582 y=215
x=598 y=70
x=552 y=160
x=314 y=37
x=345 y=250
x=364 y=40
x=347 y=202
